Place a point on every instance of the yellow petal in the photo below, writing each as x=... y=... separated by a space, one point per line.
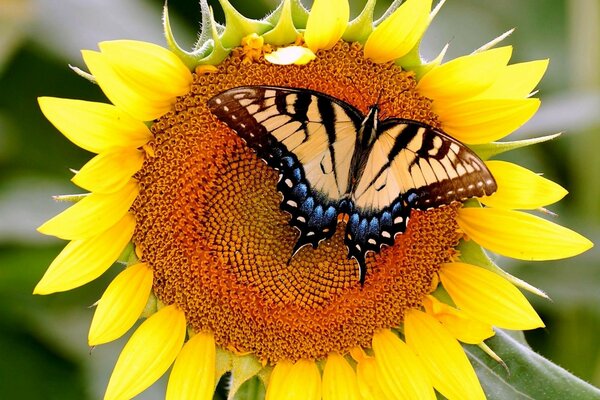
x=461 y=325
x=401 y=373
x=147 y=65
x=339 y=379
x=367 y=375
x=82 y=261
x=139 y=102
x=148 y=354
x=193 y=374
x=520 y=235
x=450 y=371
x=465 y=76
x=326 y=23
x=516 y=81
x=484 y=121
x=299 y=381
x=93 y=214
x=109 y=171
x=95 y=127
x=121 y=304
x=291 y=55
x=399 y=33
x=488 y=297
x=520 y=188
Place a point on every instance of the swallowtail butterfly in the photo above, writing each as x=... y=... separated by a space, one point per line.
x=334 y=160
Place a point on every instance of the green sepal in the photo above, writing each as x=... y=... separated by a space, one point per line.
x=243 y=368
x=472 y=253
x=393 y=7
x=488 y=150
x=252 y=389
x=359 y=29
x=237 y=26
x=218 y=52
x=70 y=198
x=128 y=256
x=151 y=306
x=223 y=362
x=190 y=59
x=530 y=375
x=83 y=74
x=284 y=31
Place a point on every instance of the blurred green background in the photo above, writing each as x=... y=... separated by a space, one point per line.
x=43 y=349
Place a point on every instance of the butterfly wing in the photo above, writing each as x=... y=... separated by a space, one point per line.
x=410 y=166
x=308 y=137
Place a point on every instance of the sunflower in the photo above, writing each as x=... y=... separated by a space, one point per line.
x=194 y=214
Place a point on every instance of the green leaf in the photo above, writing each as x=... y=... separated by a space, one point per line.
x=530 y=375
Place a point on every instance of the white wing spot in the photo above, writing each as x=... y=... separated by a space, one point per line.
x=218 y=101
x=301 y=218
x=386 y=234
x=372 y=241
x=292 y=203
x=225 y=108
x=288 y=183
x=398 y=220
x=311 y=233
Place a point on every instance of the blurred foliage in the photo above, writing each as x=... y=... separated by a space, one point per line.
x=43 y=339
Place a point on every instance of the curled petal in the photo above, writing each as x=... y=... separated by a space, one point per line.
x=399 y=33
x=148 y=354
x=121 y=304
x=520 y=188
x=520 y=235
x=193 y=374
x=291 y=55
x=488 y=297
x=326 y=23
x=461 y=325
x=82 y=261
x=446 y=362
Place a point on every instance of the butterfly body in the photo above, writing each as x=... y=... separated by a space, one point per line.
x=334 y=160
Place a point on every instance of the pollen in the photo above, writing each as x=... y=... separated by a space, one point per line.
x=209 y=221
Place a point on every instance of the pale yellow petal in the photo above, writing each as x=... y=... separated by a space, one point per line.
x=82 y=261
x=399 y=33
x=520 y=235
x=139 y=102
x=193 y=374
x=367 y=375
x=339 y=379
x=109 y=171
x=150 y=66
x=516 y=81
x=95 y=127
x=484 y=121
x=520 y=188
x=148 y=354
x=401 y=374
x=291 y=55
x=450 y=371
x=461 y=325
x=298 y=381
x=93 y=214
x=488 y=297
x=121 y=304
x=465 y=76
x=326 y=23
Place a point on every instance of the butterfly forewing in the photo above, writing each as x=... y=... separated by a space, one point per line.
x=317 y=143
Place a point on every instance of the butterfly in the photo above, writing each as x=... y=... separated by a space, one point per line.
x=334 y=160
